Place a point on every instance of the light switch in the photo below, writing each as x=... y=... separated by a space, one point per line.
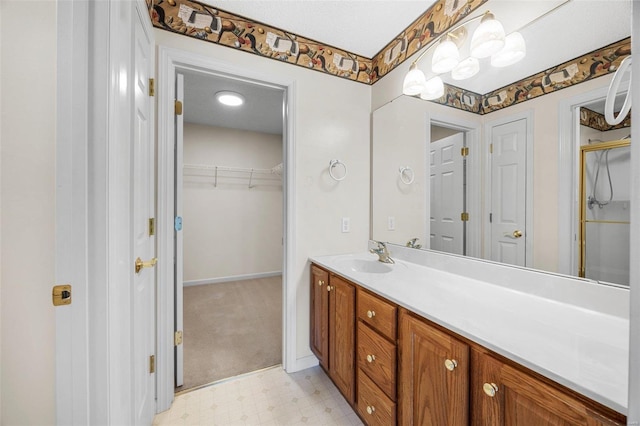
x=346 y=223
x=391 y=223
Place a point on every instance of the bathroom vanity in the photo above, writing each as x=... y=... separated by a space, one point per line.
x=413 y=344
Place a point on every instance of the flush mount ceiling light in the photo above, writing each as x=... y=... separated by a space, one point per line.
x=488 y=40
x=230 y=98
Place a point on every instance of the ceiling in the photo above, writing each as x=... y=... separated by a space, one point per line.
x=366 y=26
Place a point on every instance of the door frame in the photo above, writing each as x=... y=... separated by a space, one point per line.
x=528 y=229
x=472 y=140
x=169 y=61
x=569 y=174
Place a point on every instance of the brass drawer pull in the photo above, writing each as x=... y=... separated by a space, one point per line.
x=371 y=314
x=450 y=364
x=490 y=389
x=371 y=358
x=371 y=409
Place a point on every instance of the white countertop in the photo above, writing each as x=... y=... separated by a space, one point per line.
x=583 y=349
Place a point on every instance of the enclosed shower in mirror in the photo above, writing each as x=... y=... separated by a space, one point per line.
x=604 y=212
x=604 y=194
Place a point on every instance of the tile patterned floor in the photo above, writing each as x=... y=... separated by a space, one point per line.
x=267 y=397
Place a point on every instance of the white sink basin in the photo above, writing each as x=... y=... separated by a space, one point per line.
x=366 y=266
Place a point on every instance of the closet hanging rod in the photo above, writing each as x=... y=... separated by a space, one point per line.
x=273 y=170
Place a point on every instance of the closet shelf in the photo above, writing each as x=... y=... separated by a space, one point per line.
x=273 y=174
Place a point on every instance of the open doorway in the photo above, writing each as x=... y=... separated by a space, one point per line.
x=229 y=228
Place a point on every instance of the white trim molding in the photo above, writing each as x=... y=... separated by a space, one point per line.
x=231 y=278
x=171 y=60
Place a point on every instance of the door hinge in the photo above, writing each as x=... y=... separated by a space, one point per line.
x=152 y=226
x=464 y=151
x=177 y=338
x=178 y=107
x=464 y=217
x=490 y=217
x=152 y=87
x=152 y=364
x=490 y=148
x=61 y=295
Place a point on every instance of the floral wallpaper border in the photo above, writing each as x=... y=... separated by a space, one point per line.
x=596 y=121
x=208 y=23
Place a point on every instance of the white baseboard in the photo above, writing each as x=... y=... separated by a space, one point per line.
x=303 y=363
x=232 y=278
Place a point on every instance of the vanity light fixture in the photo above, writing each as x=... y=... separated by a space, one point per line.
x=230 y=98
x=487 y=40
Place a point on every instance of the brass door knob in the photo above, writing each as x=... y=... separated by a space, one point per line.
x=371 y=314
x=149 y=264
x=490 y=389
x=371 y=409
x=517 y=233
x=371 y=358
x=450 y=364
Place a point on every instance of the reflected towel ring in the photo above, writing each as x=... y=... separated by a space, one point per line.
x=404 y=171
x=334 y=163
x=613 y=90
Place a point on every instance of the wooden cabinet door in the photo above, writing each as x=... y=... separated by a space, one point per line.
x=433 y=376
x=342 y=314
x=320 y=315
x=506 y=396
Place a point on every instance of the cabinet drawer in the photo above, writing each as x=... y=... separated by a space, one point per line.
x=377 y=358
x=374 y=407
x=378 y=313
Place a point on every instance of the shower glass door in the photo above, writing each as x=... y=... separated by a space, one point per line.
x=604 y=211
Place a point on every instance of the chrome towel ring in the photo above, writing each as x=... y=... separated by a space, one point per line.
x=613 y=90
x=407 y=175
x=333 y=164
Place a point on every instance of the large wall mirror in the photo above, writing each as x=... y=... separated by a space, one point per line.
x=495 y=185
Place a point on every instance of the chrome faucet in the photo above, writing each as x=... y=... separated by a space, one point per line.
x=382 y=252
x=412 y=243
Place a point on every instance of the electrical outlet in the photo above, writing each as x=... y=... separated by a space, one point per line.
x=346 y=224
x=391 y=223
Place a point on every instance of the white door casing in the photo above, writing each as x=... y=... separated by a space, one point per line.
x=508 y=192
x=170 y=62
x=143 y=240
x=447 y=194
x=179 y=235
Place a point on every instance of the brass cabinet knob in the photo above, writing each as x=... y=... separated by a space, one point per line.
x=320 y=283
x=371 y=314
x=329 y=288
x=490 y=389
x=149 y=264
x=371 y=358
x=450 y=364
x=371 y=409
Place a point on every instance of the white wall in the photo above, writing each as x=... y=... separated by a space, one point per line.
x=229 y=229
x=331 y=121
x=27 y=135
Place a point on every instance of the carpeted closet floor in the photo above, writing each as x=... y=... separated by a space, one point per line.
x=231 y=328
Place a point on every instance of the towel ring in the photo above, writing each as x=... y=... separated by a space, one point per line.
x=332 y=165
x=611 y=95
x=403 y=175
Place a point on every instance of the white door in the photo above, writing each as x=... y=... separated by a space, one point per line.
x=178 y=229
x=143 y=244
x=508 y=192
x=447 y=194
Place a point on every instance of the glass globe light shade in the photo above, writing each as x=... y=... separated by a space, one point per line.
x=434 y=89
x=446 y=57
x=466 y=69
x=488 y=38
x=414 y=81
x=513 y=51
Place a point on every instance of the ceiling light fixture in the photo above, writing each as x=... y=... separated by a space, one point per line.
x=487 y=40
x=230 y=98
